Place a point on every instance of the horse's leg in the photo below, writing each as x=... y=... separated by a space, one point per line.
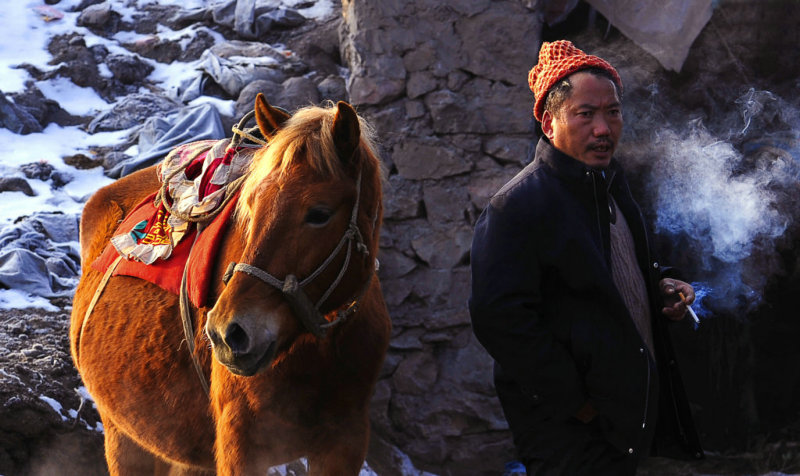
x=232 y=423
x=164 y=468
x=342 y=455
x=124 y=456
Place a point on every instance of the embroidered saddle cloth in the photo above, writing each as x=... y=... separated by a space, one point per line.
x=155 y=239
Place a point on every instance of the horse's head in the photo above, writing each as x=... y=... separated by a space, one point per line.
x=308 y=214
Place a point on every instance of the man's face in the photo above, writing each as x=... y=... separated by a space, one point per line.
x=590 y=122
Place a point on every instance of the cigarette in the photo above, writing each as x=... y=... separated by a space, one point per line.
x=689 y=308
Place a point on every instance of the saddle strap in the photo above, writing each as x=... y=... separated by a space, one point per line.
x=97 y=293
x=188 y=327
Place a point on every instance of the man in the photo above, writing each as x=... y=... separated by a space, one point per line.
x=566 y=296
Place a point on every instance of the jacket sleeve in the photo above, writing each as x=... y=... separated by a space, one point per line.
x=505 y=312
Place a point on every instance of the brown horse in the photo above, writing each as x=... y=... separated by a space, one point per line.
x=289 y=377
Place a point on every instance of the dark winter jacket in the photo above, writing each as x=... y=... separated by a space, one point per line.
x=545 y=307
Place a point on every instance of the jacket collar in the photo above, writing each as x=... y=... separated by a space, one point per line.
x=570 y=168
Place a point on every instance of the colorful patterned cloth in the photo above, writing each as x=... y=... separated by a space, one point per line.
x=197 y=175
x=558 y=60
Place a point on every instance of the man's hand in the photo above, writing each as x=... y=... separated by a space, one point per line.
x=675 y=307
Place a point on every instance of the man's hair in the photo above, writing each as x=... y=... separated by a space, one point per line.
x=563 y=89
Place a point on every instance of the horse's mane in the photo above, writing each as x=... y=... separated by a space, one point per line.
x=306 y=136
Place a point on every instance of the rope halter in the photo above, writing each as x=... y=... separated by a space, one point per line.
x=292 y=288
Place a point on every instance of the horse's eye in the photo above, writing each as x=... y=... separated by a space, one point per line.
x=318 y=216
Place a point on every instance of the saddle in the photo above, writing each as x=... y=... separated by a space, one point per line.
x=187 y=216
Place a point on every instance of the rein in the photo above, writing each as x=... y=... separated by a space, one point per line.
x=183 y=298
x=309 y=313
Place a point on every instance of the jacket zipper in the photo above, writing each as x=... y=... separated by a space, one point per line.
x=647 y=282
x=597 y=213
x=646 y=353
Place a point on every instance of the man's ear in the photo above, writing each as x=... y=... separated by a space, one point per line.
x=547 y=124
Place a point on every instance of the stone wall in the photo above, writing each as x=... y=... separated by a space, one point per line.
x=444 y=84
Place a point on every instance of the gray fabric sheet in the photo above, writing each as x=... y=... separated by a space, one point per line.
x=40 y=255
x=160 y=135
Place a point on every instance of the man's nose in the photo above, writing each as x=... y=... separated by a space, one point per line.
x=600 y=128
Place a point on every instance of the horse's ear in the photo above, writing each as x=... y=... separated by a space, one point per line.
x=346 y=130
x=270 y=119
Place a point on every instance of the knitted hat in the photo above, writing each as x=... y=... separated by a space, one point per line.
x=558 y=60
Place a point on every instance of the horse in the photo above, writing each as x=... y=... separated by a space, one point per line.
x=293 y=338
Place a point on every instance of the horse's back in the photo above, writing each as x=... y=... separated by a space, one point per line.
x=104 y=210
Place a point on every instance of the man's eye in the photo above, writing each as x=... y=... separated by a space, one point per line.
x=318 y=216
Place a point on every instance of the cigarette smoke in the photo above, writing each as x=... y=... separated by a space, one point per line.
x=721 y=194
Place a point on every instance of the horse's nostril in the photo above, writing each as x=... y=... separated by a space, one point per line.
x=237 y=339
x=214 y=337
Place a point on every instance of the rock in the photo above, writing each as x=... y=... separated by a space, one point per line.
x=128 y=69
x=132 y=111
x=297 y=92
x=333 y=88
x=37 y=170
x=16 y=119
x=112 y=159
x=452 y=113
x=100 y=18
x=44 y=110
x=408 y=340
x=58 y=179
x=82 y=161
x=445 y=201
x=416 y=374
x=443 y=248
x=395 y=264
x=281 y=18
x=16 y=184
x=47 y=426
x=484 y=185
x=420 y=83
x=76 y=61
x=156 y=48
x=201 y=41
x=402 y=198
x=247 y=98
x=369 y=90
x=510 y=150
x=84 y=4
x=319 y=48
x=427 y=159
x=487 y=39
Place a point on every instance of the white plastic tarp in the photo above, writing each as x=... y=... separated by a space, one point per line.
x=664 y=28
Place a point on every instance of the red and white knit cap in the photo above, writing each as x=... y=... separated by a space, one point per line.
x=558 y=60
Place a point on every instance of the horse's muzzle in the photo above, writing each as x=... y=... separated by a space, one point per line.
x=239 y=352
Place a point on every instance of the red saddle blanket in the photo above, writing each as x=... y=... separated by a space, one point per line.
x=167 y=273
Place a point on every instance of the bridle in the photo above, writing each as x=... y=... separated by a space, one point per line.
x=309 y=313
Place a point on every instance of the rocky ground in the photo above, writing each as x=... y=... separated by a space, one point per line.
x=49 y=427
